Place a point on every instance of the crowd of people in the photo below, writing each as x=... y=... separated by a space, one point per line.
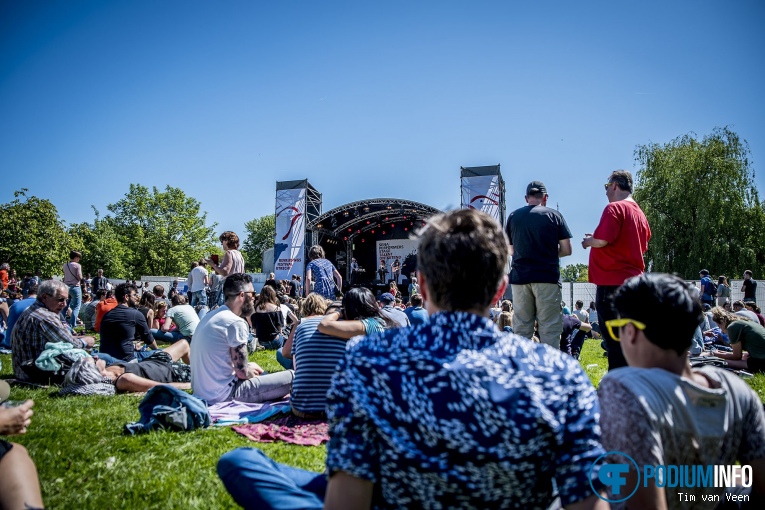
x=459 y=397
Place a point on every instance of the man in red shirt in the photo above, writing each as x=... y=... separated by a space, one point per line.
x=618 y=245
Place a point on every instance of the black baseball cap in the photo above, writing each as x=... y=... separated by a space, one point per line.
x=535 y=188
x=704 y=272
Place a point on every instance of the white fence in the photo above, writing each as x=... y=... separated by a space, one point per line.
x=572 y=292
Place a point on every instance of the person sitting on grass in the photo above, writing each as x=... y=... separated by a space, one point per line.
x=19 y=483
x=149 y=372
x=124 y=325
x=183 y=316
x=315 y=355
x=449 y=414
x=15 y=312
x=747 y=339
x=104 y=305
x=268 y=319
x=357 y=314
x=40 y=324
x=659 y=410
x=88 y=312
x=219 y=368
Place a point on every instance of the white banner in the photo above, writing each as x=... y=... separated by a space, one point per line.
x=402 y=250
x=289 y=245
x=482 y=192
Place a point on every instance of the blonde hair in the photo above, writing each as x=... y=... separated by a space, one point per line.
x=313 y=304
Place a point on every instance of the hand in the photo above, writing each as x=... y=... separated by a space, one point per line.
x=255 y=368
x=15 y=420
x=586 y=241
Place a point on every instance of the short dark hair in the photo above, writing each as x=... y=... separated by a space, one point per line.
x=147 y=300
x=748 y=272
x=74 y=253
x=579 y=303
x=416 y=300
x=101 y=293
x=158 y=290
x=178 y=299
x=316 y=252
x=123 y=290
x=622 y=178
x=451 y=242
x=235 y=283
x=664 y=303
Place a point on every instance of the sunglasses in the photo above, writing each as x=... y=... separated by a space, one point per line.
x=250 y=292
x=607 y=185
x=614 y=325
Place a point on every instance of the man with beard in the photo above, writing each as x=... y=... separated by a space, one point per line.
x=219 y=368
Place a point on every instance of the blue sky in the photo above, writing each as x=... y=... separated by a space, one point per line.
x=365 y=99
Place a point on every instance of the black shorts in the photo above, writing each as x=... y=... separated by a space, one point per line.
x=755 y=365
x=5 y=447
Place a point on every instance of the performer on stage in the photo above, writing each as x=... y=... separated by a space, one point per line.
x=382 y=270
x=354 y=271
x=396 y=270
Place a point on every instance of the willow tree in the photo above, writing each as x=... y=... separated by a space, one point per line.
x=701 y=202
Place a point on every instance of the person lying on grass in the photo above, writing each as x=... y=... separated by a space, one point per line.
x=149 y=372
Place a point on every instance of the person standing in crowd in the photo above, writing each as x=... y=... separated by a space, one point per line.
x=539 y=237
x=384 y=452
x=232 y=263
x=322 y=274
x=723 y=291
x=416 y=313
x=382 y=270
x=396 y=269
x=618 y=244
x=198 y=282
x=749 y=287
x=706 y=288
x=98 y=283
x=72 y=278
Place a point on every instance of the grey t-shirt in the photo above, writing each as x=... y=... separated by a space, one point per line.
x=659 y=418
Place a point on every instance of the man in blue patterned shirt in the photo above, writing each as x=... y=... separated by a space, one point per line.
x=450 y=413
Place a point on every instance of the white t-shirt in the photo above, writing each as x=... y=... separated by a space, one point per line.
x=212 y=372
x=582 y=315
x=197 y=276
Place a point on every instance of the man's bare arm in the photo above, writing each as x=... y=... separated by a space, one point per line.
x=243 y=369
x=564 y=248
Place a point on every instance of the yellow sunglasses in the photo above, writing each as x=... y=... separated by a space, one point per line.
x=614 y=324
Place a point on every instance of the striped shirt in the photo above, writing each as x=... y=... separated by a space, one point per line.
x=36 y=327
x=316 y=355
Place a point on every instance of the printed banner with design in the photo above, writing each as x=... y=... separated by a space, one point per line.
x=289 y=245
x=482 y=192
x=403 y=250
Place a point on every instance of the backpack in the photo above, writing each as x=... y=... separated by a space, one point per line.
x=712 y=288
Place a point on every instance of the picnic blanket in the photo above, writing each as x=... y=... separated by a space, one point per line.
x=289 y=429
x=233 y=412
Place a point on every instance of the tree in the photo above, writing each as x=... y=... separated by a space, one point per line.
x=574 y=273
x=162 y=231
x=261 y=233
x=32 y=236
x=702 y=205
x=101 y=248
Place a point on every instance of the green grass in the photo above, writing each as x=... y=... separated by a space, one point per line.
x=85 y=462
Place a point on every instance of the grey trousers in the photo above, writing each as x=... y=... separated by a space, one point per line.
x=263 y=388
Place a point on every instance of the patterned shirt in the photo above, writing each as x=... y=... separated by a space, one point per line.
x=322 y=273
x=36 y=327
x=455 y=413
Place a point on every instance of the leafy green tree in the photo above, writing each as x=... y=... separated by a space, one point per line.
x=574 y=273
x=102 y=248
x=702 y=205
x=32 y=236
x=161 y=231
x=260 y=237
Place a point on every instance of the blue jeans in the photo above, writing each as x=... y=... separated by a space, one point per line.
x=257 y=482
x=199 y=298
x=283 y=360
x=276 y=343
x=202 y=312
x=75 y=300
x=167 y=336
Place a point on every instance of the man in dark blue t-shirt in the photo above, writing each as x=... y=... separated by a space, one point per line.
x=538 y=238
